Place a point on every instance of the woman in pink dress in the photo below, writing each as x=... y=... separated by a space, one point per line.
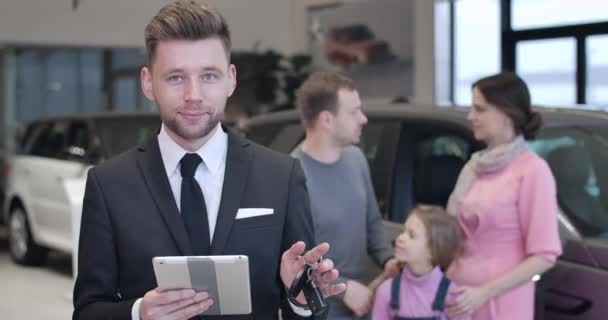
x=505 y=202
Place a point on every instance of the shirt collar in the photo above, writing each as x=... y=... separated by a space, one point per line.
x=434 y=274
x=213 y=152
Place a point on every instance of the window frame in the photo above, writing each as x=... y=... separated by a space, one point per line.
x=510 y=38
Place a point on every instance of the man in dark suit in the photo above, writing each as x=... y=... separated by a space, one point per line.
x=195 y=189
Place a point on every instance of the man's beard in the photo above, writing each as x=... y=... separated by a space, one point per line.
x=193 y=132
x=345 y=141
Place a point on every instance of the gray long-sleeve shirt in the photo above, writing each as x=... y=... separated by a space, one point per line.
x=345 y=213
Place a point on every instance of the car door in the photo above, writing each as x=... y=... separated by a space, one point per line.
x=578 y=157
x=24 y=177
x=430 y=155
x=379 y=141
x=47 y=169
x=72 y=163
x=40 y=167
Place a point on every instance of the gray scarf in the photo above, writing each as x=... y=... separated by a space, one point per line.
x=484 y=161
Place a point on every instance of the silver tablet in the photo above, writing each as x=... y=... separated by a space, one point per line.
x=226 y=278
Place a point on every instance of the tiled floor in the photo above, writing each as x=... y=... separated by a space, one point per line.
x=34 y=293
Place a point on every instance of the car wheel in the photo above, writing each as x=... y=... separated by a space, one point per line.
x=23 y=249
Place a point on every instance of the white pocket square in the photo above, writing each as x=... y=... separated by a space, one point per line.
x=253 y=212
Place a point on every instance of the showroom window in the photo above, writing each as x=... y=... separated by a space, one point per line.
x=57 y=81
x=597 y=66
x=473 y=29
x=54 y=81
x=123 y=76
x=561 y=53
x=525 y=13
x=551 y=77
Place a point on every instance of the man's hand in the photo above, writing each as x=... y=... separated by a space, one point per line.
x=293 y=261
x=358 y=298
x=173 y=304
x=392 y=267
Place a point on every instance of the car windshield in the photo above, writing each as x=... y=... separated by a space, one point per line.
x=578 y=158
x=121 y=133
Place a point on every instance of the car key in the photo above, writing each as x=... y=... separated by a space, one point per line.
x=300 y=281
x=316 y=302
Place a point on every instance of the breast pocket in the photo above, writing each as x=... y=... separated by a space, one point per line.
x=256 y=218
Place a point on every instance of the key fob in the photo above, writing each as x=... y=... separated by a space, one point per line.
x=299 y=282
x=316 y=302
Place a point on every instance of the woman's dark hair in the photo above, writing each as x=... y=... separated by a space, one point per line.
x=509 y=93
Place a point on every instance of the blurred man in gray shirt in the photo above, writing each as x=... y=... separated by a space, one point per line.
x=344 y=206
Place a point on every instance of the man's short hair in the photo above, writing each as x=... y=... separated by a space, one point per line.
x=320 y=93
x=186 y=20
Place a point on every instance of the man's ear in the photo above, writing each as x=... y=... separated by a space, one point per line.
x=146 y=83
x=232 y=78
x=325 y=119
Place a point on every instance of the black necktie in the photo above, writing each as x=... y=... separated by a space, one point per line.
x=193 y=208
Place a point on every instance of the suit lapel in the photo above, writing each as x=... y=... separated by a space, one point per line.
x=238 y=162
x=151 y=166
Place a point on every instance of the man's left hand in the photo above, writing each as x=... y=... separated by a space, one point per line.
x=392 y=267
x=293 y=261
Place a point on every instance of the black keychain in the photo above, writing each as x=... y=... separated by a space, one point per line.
x=305 y=282
x=301 y=279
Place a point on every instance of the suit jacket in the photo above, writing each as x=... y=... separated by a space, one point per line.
x=130 y=216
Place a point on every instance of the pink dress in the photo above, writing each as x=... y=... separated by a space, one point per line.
x=507 y=216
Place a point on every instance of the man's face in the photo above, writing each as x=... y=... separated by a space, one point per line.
x=190 y=81
x=349 y=119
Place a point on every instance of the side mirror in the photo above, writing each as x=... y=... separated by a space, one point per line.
x=73 y=153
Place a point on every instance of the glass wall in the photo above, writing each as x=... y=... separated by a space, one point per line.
x=597 y=70
x=467 y=47
x=56 y=81
x=525 y=13
x=549 y=68
x=558 y=46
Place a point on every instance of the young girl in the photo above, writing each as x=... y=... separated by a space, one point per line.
x=429 y=242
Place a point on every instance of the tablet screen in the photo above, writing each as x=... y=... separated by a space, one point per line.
x=225 y=278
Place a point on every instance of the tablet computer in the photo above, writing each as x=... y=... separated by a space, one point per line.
x=226 y=278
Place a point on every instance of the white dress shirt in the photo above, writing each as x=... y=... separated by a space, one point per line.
x=209 y=175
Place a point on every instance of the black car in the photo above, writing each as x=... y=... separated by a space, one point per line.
x=415 y=154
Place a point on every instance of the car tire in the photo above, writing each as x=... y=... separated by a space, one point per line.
x=22 y=247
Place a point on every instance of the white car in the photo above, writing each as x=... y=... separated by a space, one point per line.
x=45 y=180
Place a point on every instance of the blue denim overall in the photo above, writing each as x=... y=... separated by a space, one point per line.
x=438 y=303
